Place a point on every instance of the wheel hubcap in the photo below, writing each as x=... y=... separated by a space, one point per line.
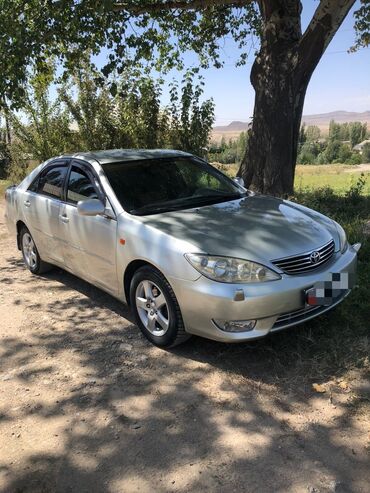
x=152 y=308
x=29 y=251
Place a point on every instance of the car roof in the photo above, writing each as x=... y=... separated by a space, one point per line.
x=128 y=155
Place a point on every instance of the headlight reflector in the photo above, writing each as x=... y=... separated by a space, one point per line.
x=232 y=270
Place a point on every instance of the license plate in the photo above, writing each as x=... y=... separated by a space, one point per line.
x=329 y=291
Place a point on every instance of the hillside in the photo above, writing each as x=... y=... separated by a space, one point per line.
x=322 y=120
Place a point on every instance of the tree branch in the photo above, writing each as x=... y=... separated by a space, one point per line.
x=326 y=21
x=177 y=5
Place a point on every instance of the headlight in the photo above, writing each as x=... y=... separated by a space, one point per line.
x=233 y=270
x=342 y=238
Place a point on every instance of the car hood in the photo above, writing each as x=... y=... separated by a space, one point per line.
x=256 y=227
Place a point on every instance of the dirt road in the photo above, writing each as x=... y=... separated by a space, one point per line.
x=87 y=405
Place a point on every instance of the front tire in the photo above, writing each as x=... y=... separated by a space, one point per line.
x=30 y=253
x=156 y=309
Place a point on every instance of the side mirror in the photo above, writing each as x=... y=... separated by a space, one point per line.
x=91 y=207
x=239 y=180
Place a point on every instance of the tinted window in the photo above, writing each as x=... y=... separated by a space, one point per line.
x=34 y=185
x=80 y=186
x=168 y=183
x=51 y=182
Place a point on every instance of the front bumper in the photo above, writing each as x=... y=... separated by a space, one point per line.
x=275 y=305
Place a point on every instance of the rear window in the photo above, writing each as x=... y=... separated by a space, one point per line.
x=51 y=181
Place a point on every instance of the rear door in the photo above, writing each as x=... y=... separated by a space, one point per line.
x=89 y=242
x=41 y=205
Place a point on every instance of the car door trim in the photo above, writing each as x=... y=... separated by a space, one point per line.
x=93 y=176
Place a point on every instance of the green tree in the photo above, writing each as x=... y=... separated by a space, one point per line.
x=92 y=111
x=43 y=130
x=302 y=136
x=312 y=133
x=308 y=153
x=159 y=31
x=366 y=153
x=334 y=131
x=357 y=132
x=191 y=119
x=344 y=153
x=344 y=131
x=332 y=150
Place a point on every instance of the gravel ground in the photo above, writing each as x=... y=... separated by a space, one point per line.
x=88 y=405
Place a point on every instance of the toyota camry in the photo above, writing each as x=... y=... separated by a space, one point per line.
x=189 y=249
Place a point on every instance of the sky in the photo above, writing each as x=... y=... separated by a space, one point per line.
x=341 y=81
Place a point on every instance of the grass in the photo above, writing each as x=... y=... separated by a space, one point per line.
x=4 y=184
x=339 y=341
x=336 y=176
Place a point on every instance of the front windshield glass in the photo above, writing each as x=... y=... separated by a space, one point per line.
x=158 y=185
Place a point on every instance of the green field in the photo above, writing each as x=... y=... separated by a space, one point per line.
x=336 y=176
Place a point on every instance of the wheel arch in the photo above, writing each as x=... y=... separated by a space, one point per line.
x=20 y=224
x=130 y=270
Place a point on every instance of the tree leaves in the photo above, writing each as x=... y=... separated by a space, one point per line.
x=35 y=32
x=362 y=26
x=124 y=112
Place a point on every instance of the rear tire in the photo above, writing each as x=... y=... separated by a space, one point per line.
x=156 y=309
x=31 y=255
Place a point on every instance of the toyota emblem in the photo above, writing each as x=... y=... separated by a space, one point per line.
x=315 y=257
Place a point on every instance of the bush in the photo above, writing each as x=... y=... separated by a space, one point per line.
x=354 y=159
x=340 y=340
x=366 y=153
x=308 y=153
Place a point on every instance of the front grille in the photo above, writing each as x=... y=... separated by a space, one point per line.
x=305 y=262
x=302 y=314
x=297 y=316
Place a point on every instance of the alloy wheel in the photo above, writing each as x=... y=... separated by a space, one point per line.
x=152 y=308
x=29 y=251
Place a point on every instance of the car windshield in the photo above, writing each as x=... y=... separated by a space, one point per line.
x=159 y=185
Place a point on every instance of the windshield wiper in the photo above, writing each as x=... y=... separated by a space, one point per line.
x=193 y=201
x=152 y=209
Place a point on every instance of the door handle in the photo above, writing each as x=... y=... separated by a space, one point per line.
x=27 y=203
x=64 y=218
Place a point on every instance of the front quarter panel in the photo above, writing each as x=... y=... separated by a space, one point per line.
x=138 y=241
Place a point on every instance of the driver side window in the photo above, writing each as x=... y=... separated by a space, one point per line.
x=80 y=186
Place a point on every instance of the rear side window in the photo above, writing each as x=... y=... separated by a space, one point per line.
x=80 y=186
x=51 y=182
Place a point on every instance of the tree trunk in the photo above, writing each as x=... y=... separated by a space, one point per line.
x=8 y=136
x=269 y=162
x=280 y=76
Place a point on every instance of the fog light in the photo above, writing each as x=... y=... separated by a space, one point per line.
x=235 y=325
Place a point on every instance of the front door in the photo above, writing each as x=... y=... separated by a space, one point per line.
x=89 y=241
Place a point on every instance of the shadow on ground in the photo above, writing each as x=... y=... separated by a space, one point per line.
x=202 y=417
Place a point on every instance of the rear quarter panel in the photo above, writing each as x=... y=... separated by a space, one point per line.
x=12 y=209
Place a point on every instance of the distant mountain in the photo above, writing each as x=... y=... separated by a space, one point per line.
x=321 y=120
x=339 y=116
x=232 y=127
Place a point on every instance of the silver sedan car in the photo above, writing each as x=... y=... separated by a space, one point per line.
x=192 y=251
